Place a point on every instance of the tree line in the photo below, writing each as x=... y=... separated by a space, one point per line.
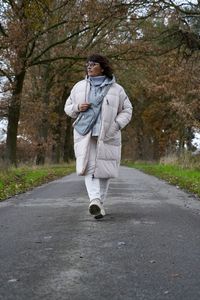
x=154 y=48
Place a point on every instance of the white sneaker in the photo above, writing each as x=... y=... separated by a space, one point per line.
x=95 y=207
x=102 y=213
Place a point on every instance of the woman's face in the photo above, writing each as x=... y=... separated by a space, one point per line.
x=94 y=69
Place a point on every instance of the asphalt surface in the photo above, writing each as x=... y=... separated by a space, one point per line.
x=147 y=247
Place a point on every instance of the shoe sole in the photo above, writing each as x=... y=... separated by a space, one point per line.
x=94 y=210
x=100 y=216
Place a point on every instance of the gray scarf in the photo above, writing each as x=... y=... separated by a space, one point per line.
x=86 y=120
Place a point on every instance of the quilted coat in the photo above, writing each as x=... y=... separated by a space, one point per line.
x=116 y=113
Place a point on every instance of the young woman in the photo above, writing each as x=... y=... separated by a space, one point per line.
x=101 y=109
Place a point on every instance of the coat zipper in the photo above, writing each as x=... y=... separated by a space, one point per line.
x=86 y=88
x=98 y=138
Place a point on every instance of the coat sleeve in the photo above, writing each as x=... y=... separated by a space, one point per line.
x=71 y=109
x=125 y=110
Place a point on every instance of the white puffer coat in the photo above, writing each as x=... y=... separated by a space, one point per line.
x=116 y=113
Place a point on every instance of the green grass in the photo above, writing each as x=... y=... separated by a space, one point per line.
x=18 y=180
x=186 y=178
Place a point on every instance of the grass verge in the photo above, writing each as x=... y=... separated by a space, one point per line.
x=18 y=180
x=186 y=178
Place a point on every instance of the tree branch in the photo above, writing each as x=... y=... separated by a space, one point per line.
x=31 y=50
x=4 y=74
x=40 y=33
x=46 y=61
x=179 y=8
x=2 y=30
x=60 y=6
x=34 y=60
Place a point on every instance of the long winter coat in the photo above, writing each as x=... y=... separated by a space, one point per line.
x=116 y=113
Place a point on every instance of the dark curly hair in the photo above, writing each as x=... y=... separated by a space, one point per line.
x=104 y=63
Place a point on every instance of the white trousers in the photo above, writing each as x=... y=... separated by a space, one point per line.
x=96 y=187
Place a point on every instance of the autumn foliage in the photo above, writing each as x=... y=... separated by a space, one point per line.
x=154 y=48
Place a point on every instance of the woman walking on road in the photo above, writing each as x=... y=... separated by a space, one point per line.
x=101 y=109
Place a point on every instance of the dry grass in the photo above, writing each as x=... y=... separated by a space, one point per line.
x=185 y=160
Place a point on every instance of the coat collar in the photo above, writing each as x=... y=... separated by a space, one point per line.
x=106 y=81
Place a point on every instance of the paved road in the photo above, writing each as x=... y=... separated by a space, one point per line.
x=147 y=247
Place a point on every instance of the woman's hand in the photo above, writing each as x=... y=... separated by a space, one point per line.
x=83 y=106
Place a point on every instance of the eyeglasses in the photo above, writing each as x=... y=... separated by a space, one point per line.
x=91 y=64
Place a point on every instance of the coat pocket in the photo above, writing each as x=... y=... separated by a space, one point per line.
x=114 y=128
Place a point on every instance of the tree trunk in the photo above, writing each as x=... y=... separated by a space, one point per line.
x=189 y=138
x=56 y=147
x=156 y=150
x=13 y=119
x=44 y=124
x=57 y=128
x=43 y=135
x=68 y=143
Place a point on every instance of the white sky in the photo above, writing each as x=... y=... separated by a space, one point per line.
x=3 y=127
x=196 y=140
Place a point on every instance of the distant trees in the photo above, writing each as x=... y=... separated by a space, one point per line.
x=37 y=33
x=154 y=46
x=165 y=82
